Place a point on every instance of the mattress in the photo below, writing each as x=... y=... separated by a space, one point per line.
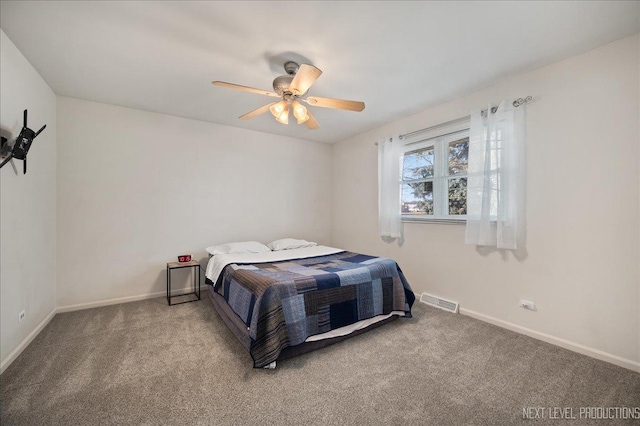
x=284 y=299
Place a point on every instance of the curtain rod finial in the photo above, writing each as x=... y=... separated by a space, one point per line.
x=521 y=101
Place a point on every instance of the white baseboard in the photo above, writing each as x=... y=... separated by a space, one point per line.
x=563 y=343
x=126 y=299
x=23 y=345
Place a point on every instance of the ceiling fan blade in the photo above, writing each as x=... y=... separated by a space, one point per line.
x=304 y=78
x=311 y=123
x=335 y=103
x=258 y=111
x=245 y=88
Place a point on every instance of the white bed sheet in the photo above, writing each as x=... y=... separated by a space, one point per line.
x=348 y=329
x=218 y=262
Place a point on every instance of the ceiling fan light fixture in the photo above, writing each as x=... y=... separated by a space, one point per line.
x=283 y=117
x=300 y=112
x=278 y=108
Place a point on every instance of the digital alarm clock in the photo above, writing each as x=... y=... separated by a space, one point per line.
x=184 y=258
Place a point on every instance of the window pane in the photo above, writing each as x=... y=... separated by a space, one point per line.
x=418 y=164
x=417 y=198
x=458 y=196
x=458 y=156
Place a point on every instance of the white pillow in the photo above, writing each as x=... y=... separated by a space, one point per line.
x=289 y=244
x=236 y=248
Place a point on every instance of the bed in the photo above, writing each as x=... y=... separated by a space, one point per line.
x=284 y=303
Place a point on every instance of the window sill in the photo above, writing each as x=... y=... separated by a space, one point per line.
x=444 y=221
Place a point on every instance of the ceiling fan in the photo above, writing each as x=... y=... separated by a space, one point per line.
x=291 y=88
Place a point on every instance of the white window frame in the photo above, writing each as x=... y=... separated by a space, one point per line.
x=439 y=140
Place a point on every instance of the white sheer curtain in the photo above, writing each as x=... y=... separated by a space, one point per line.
x=389 y=151
x=496 y=177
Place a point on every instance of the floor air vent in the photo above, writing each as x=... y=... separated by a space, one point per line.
x=437 y=302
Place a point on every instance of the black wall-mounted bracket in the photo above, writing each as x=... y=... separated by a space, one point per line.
x=21 y=145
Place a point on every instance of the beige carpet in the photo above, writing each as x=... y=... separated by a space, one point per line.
x=145 y=363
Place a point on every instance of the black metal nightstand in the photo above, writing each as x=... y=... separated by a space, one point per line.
x=196 y=290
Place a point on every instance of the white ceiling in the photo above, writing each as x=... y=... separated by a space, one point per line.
x=397 y=57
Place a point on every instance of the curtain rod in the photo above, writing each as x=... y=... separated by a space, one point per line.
x=437 y=126
x=516 y=103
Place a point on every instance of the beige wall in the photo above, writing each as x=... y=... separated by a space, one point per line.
x=581 y=266
x=27 y=206
x=136 y=189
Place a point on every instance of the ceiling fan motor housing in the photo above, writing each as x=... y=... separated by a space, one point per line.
x=281 y=84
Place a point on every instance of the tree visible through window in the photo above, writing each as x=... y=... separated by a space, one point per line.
x=458 y=159
x=434 y=178
x=417 y=172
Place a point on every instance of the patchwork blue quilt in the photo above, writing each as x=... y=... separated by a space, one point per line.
x=283 y=303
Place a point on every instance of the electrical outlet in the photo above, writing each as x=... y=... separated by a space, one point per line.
x=21 y=316
x=527 y=304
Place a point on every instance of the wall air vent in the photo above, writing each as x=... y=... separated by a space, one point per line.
x=437 y=302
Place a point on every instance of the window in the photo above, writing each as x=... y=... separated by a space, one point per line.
x=434 y=177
